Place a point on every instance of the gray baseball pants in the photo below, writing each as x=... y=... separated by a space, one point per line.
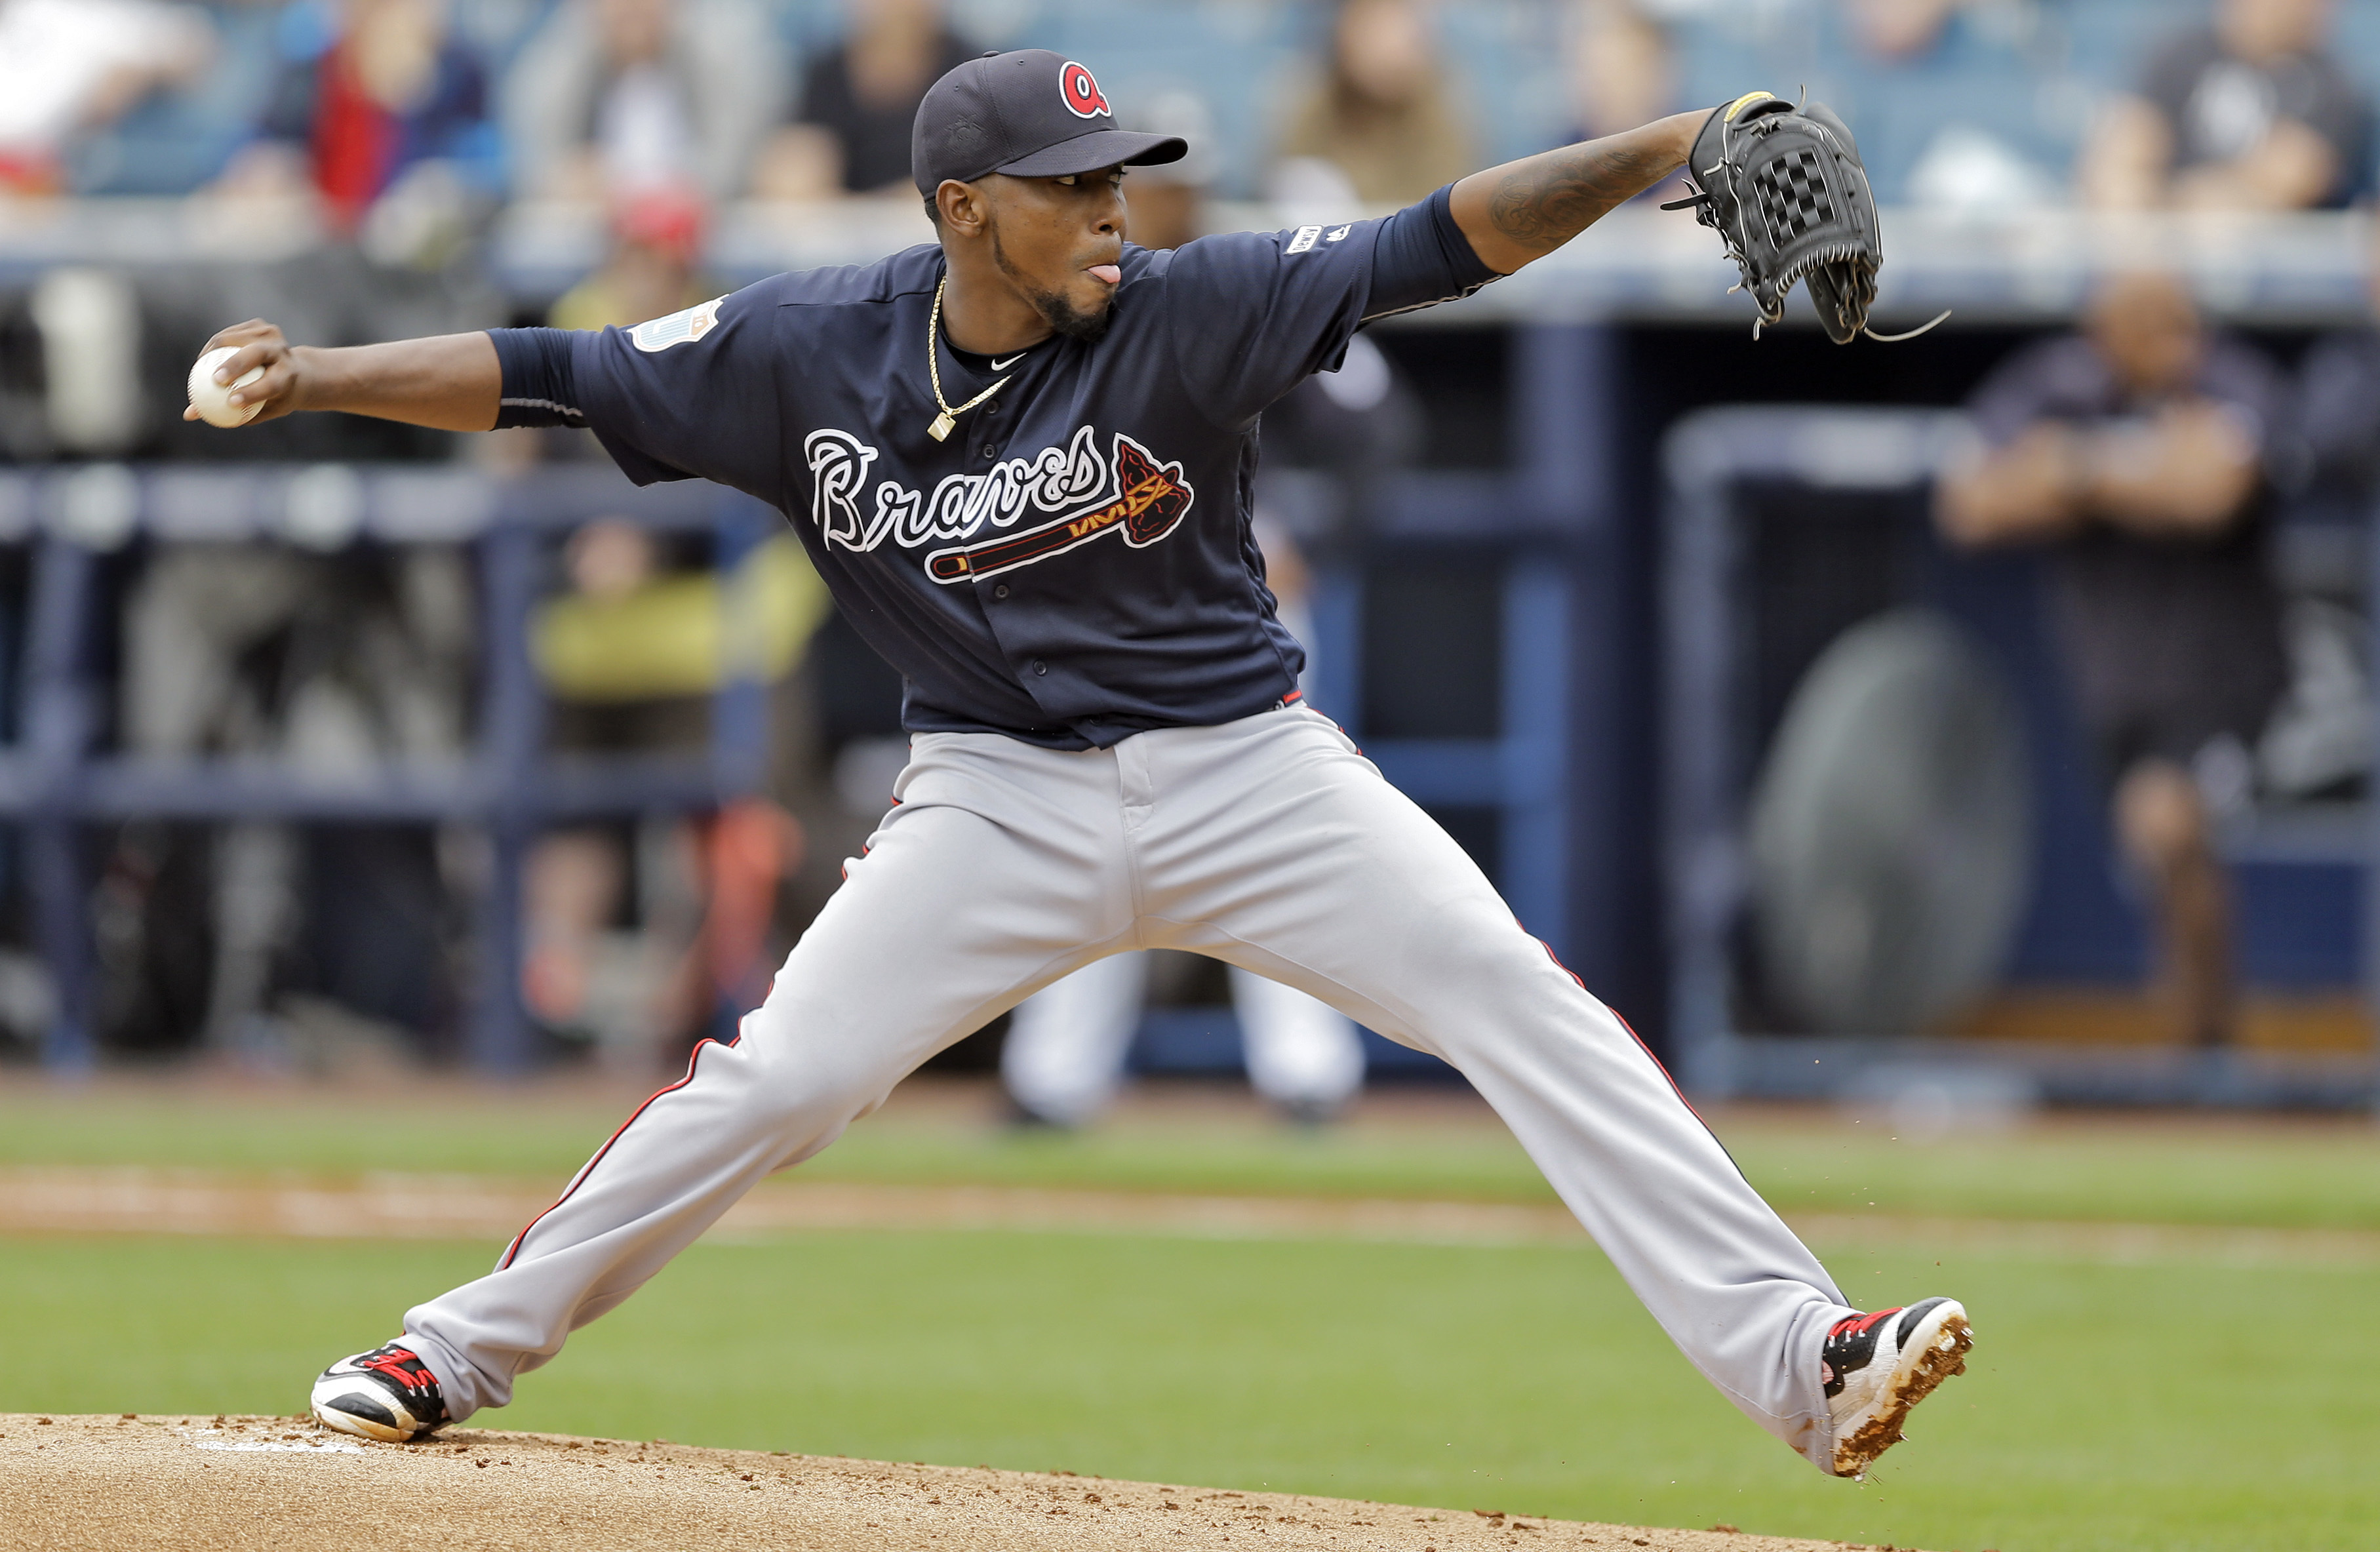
x=1268 y=843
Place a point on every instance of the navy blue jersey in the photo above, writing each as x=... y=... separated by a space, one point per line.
x=1073 y=565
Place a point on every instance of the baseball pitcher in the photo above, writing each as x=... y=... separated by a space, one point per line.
x=1020 y=456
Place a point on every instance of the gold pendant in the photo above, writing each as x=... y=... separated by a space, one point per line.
x=941 y=426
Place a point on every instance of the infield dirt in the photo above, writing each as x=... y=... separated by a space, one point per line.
x=201 y=1484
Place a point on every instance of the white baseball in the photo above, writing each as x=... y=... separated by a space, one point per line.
x=213 y=399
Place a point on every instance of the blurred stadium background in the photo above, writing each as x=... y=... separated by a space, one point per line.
x=380 y=803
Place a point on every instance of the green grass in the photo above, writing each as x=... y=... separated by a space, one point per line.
x=493 y=1132
x=2284 y=1174
x=2156 y=1406
x=2311 y=1174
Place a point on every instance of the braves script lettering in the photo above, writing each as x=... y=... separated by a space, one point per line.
x=1131 y=491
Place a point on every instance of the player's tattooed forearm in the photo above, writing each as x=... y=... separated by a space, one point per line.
x=1546 y=201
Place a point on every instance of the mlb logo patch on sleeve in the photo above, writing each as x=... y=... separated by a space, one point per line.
x=679 y=328
x=1302 y=239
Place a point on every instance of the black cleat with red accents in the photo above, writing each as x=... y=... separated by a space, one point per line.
x=1876 y=1367
x=387 y=1394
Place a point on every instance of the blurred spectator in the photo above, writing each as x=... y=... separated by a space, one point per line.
x=1619 y=72
x=2138 y=448
x=1957 y=102
x=1380 y=125
x=1895 y=30
x=374 y=94
x=70 y=66
x=619 y=96
x=632 y=654
x=1619 y=69
x=2338 y=411
x=2253 y=112
x=850 y=133
x=655 y=238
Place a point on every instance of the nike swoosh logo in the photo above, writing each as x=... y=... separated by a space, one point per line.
x=1004 y=366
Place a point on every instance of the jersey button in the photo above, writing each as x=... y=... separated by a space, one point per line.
x=992 y=408
x=989 y=451
x=1000 y=591
x=1041 y=667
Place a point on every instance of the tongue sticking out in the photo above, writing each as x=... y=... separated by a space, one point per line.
x=1108 y=272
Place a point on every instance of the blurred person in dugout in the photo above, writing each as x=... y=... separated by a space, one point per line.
x=288 y=945
x=2249 y=112
x=70 y=67
x=2321 y=744
x=1379 y=123
x=611 y=97
x=850 y=127
x=2138 y=450
x=2338 y=408
x=646 y=934
x=1067 y=1045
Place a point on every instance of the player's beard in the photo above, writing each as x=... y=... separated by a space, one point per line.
x=1055 y=310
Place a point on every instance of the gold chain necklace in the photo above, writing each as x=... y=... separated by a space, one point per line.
x=949 y=417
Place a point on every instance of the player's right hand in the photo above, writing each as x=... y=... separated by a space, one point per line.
x=260 y=344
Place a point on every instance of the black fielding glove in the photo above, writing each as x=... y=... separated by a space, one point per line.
x=1784 y=188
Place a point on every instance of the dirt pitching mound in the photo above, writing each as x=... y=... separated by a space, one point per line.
x=199 y=1484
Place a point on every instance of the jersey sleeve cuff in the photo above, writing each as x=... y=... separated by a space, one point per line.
x=539 y=387
x=1421 y=259
x=1462 y=261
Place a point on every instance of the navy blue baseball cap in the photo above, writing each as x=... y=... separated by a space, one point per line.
x=1028 y=113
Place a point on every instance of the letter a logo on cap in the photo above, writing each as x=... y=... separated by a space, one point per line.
x=1084 y=98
